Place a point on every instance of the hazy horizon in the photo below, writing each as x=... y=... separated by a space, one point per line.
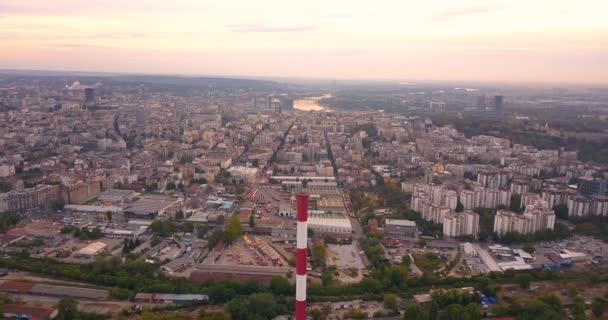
x=545 y=41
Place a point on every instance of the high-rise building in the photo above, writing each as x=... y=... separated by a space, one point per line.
x=286 y=103
x=481 y=102
x=498 y=103
x=461 y=224
x=535 y=218
x=592 y=186
x=140 y=116
x=89 y=95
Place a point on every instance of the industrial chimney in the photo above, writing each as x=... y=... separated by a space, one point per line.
x=301 y=252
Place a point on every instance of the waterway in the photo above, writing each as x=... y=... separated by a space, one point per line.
x=310 y=104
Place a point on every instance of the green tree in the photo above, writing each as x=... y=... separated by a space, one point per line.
x=459 y=206
x=529 y=248
x=524 y=280
x=515 y=204
x=561 y=211
x=434 y=311
x=120 y=293
x=578 y=309
x=5 y=187
x=327 y=277
x=413 y=312
x=473 y=311
x=318 y=254
x=390 y=302
x=237 y=308
x=280 y=286
x=263 y=304
x=251 y=221
x=598 y=307
x=455 y=312
x=233 y=230
x=67 y=309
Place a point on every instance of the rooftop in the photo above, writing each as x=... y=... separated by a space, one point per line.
x=400 y=223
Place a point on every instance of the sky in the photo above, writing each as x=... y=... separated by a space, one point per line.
x=547 y=41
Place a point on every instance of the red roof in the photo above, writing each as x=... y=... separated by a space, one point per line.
x=16 y=286
x=18 y=232
x=6 y=238
x=34 y=313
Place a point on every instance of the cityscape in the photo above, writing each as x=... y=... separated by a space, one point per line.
x=152 y=195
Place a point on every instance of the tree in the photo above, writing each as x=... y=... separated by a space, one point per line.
x=327 y=277
x=413 y=312
x=120 y=293
x=598 y=307
x=263 y=304
x=515 y=204
x=179 y=215
x=455 y=312
x=237 y=308
x=578 y=309
x=109 y=215
x=251 y=221
x=529 y=248
x=5 y=186
x=473 y=311
x=434 y=311
x=280 y=286
x=67 y=309
x=524 y=280
x=318 y=254
x=459 y=206
x=390 y=302
x=561 y=211
x=233 y=230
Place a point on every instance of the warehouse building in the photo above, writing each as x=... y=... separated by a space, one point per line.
x=399 y=229
x=329 y=222
x=91 y=250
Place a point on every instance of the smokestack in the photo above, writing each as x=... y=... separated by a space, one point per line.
x=301 y=252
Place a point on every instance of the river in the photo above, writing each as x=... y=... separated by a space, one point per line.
x=310 y=104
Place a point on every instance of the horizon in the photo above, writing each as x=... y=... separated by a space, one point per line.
x=286 y=79
x=496 y=41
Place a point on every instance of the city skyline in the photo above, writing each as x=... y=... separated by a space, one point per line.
x=511 y=41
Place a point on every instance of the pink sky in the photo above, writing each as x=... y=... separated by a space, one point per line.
x=489 y=40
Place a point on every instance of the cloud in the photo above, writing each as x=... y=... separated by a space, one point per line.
x=246 y=28
x=76 y=46
x=117 y=35
x=470 y=11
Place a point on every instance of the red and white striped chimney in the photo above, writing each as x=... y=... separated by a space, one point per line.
x=301 y=252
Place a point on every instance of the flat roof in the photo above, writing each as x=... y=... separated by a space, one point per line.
x=117 y=193
x=400 y=222
x=92 y=248
x=95 y=209
x=76 y=292
x=329 y=219
x=151 y=204
x=181 y=297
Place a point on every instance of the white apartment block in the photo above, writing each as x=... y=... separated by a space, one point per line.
x=581 y=206
x=484 y=198
x=534 y=219
x=461 y=224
